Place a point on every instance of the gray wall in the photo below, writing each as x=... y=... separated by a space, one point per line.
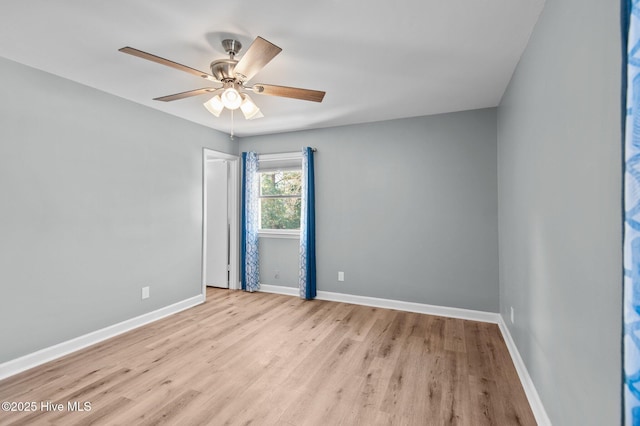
x=100 y=197
x=279 y=260
x=560 y=215
x=406 y=208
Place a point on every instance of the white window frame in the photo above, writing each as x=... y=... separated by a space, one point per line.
x=281 y=161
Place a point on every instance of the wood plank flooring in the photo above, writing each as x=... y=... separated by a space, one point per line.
x=266 y=359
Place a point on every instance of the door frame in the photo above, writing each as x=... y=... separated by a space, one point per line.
x=234 y=216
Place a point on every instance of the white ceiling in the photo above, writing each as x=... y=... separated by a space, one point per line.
x=376 y=60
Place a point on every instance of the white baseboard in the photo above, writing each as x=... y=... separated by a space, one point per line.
x=279 y=289
x=399 y=305
x=421 y=308
x=530 y=390
x=527 y=383
x=15 y=366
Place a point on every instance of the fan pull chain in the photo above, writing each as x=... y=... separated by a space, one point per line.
x=231 y=135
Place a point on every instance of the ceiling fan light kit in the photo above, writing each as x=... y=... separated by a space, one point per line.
x=233 y=74
x=231 y=97
x=250 y=109
x=214 y=105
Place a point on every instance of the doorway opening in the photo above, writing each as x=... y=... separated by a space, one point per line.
x=220 y=231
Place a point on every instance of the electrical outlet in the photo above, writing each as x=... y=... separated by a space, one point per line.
x=277 y=274
x=145 y=292
x=512 y=316
x=340 y=276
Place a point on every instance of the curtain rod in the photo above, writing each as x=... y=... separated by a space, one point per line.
x=282 y=153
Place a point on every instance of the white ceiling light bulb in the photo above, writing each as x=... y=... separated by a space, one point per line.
x=249 y=109
x=214 y=105
x=231 y=98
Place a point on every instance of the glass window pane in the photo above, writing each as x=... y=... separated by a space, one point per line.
x=280 y=213
x=281 y=183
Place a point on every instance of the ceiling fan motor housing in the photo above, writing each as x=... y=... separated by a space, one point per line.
x=223 y=69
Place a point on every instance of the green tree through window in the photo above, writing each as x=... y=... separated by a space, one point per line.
x=280 y=199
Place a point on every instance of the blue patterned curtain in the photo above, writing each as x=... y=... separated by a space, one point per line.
x=249 y=264
x=307 y=279
x=631 y=125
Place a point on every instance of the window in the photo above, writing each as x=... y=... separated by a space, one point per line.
x=280 y=200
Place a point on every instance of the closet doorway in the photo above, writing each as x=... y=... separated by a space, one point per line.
x=220 y=225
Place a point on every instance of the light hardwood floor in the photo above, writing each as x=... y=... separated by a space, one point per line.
x=266 y=359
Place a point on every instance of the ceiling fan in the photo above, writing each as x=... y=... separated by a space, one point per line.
x=233 y=75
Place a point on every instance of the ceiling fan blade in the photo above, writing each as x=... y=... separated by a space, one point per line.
x=289 y=92
x=187 y=94
x=259 y=54
x=167 y=62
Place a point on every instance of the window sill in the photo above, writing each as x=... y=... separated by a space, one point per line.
x=279 y=233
